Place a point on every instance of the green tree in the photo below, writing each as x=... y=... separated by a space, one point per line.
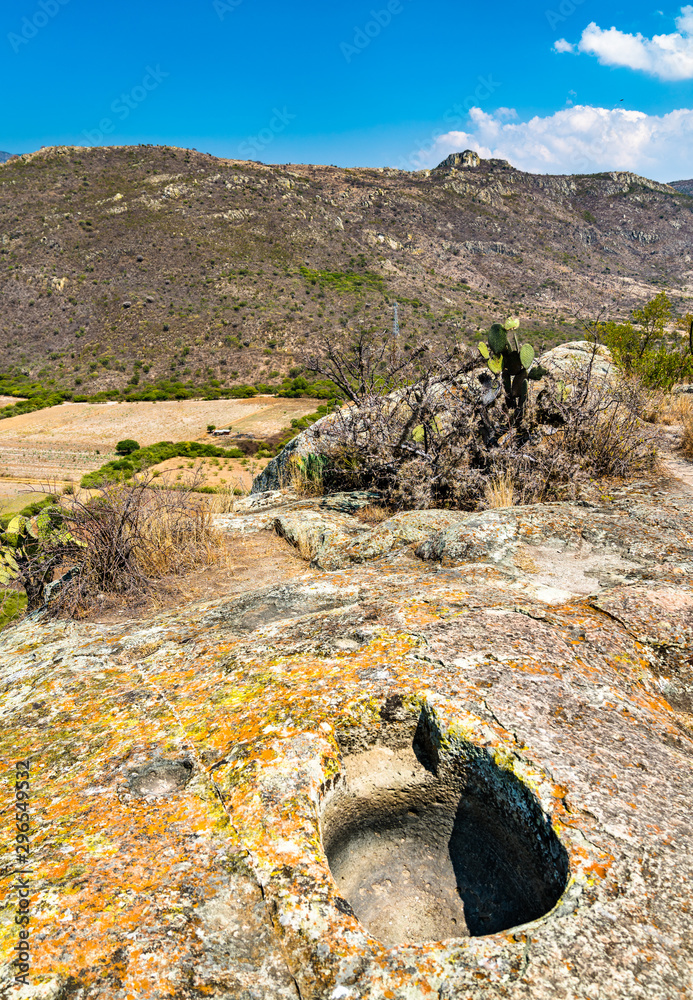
x=645 y=347
x=127 y=447
x=652 y=320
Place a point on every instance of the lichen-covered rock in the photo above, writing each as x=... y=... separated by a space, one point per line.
x=330 y=540
x=194 y=775
x=577 y=355
x=278 y=474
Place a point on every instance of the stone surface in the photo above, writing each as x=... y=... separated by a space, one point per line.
x=277 y=473
x=577 y=354
x=183 y=768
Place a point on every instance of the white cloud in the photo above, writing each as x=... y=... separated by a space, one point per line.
x=562 y=46
x=579 y=139
x=669 y=57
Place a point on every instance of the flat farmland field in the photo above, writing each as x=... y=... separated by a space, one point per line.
x=64 y=442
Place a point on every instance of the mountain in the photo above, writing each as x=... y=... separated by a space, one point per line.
x=685 y=186
x=159 y=262
x=4 y=157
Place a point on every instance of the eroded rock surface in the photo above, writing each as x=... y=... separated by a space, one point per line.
x=525 y=672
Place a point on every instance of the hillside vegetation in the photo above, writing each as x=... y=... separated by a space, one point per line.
x=128 y=271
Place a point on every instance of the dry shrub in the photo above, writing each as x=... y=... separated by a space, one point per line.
x=447 y=440
x=135 y=539
x=613 y=444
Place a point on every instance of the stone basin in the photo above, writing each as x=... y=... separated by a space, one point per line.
x=424 y=852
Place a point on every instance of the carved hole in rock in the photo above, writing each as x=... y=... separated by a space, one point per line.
x=426 y=847
x=160 y=778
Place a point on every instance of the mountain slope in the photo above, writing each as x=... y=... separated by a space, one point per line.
x=685 y=186
x=148 y=262
x=4 y=157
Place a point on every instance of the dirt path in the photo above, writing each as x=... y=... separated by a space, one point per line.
x=679 y=468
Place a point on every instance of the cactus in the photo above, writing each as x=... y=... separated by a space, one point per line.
x=32 y=547
x=514 y=364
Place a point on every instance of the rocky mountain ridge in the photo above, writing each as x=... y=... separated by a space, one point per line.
x=150 y=262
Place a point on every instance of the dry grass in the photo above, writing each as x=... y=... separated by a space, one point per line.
x=223 y=501
x=174 y=540
x=137 y=539
x=500 y=492
x=373 y=514
x=667 y=409
x=686 y=446
x=305 y=476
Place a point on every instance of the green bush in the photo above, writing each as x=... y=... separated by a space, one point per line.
x=344 y=282
x=144 y=458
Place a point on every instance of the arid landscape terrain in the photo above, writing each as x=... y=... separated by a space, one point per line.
x=413 y=717
x=122 y=266
x=60 y=444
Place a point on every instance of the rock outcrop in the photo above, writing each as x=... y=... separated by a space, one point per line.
x=277 y=474
x=561 y=361
x=465 y=161
x=460 y=764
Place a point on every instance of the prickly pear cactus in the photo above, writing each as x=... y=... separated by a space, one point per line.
x=514 y=364
x=31 y=548
x=9 y=567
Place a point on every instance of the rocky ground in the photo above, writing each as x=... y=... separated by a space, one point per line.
x=223 y=796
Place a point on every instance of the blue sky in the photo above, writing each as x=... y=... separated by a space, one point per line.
x=399 y=82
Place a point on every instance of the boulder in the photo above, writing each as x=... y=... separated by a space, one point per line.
x=457 y=766
x=561 y=361
x=278 y=474
x=464 y=161
x=565 y=359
